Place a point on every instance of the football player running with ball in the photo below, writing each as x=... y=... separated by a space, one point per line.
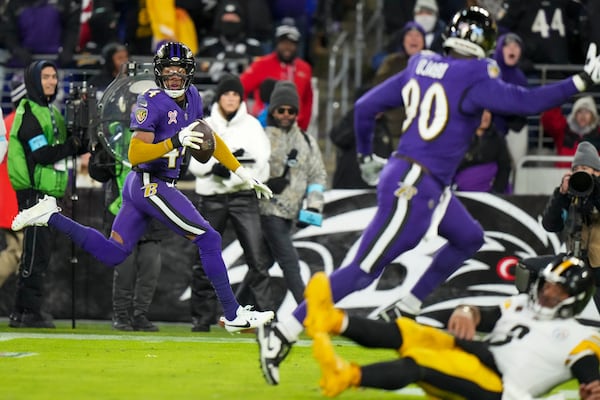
x=444 y=96
x=162 y=122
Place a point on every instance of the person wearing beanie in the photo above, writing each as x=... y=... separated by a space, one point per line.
x=297 y=173
x=579 y=221
x=224 y=198
x=282 y=64
x=581 y=124
x=10 y=256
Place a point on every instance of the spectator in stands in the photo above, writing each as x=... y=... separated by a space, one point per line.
x=486 y=165
x=114 y=56
x=301 y=12
x=297 y=173
x=38 y=143
x=550 y=30
x=10 y=256
x=228 y=42
x=224 y=198
x=103 y=26
x=46 y=27
x=171 y=23
x=282 y=64
x=509 y=49
x=265 y=90
x=410 y=41
x=582 y=124
x=138 y=32
x=426 y=14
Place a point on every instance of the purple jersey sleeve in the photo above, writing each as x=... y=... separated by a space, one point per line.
x=158 y=113
x=443 y=98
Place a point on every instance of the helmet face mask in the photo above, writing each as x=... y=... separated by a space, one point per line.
x=174 y=54
x=576 y=282
x=472 y=32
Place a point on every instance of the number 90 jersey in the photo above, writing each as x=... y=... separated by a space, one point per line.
x=443 y=99
x=536 y=355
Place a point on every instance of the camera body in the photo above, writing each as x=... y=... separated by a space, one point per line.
x=80 y=111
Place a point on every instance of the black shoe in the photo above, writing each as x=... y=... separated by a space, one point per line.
x=122 y=323
x=30 y=319
x=141 y=323
x=199 y=325
x=14 y=319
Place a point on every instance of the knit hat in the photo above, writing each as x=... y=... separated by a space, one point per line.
x=229 y=83
x=284 y=94
x=426 y=4
x=583 y=103
x=287 y=30
x=587 y=155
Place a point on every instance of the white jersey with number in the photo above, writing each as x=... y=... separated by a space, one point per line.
x=536 y=355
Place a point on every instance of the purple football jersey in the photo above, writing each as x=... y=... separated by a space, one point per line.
x=156 y=112
x=444 y=98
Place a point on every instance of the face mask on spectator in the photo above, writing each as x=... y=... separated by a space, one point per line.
x=427 y=21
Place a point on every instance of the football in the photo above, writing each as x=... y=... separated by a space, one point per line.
x=207 y=147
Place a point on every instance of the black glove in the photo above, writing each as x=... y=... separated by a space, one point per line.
x=239 y=152
x=277 y=185
x=74 y=144
x=220 y=170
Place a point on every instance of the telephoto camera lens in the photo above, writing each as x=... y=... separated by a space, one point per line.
x=581 y=184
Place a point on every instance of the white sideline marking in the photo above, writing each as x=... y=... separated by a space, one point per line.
x=5 y=336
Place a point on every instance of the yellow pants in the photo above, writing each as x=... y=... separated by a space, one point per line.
x=452 y=372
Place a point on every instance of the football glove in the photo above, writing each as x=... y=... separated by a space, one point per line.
x=591 y=70
x=260 y=188
x=370 y=167
x=187 y=137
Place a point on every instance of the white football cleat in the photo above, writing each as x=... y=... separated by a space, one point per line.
x=37 y=215
x=247 y=318
x=273 y=348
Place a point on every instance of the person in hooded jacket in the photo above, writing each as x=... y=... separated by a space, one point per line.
x=37 y=166
x=508 y=52
x=581 y=124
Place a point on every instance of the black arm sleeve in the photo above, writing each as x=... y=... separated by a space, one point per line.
x=489 y=316
x=45 y=155
x=552 y=218
x=586 y=369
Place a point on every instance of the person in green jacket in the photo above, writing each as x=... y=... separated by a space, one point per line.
x=37 y=166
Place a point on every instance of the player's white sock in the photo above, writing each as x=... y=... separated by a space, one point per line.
x=290 y=328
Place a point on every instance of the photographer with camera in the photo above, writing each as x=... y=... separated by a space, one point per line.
x=37 y=166
x=574 y=208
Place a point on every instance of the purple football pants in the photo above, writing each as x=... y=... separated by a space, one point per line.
x=406 y=199
x=146 y=197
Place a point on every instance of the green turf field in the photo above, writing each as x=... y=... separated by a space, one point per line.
x=95 y=362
